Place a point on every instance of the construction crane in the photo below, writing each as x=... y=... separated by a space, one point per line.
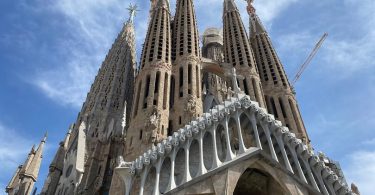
x=308 y=60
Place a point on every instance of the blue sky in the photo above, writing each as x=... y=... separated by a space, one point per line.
x=50 y=51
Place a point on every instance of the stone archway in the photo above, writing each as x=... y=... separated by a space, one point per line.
x=257 y=182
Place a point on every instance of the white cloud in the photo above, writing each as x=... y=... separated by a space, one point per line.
x=345 y=55
x=361 y=171
x=92 y=25
x=12 y=152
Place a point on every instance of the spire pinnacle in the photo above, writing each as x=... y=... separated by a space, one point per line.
x=229 y=5
x=132 y=12
x=250 y=8
x=45 y=136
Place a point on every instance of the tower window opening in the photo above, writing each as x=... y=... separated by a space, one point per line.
x=172 y=92
x=181 y=77
x=157 y=81
x=274 y=107
x=282 y=108
x=147 y=88
x=170 y=128
x=180 y=120
x=245 y=87
x=137 y=100
x=140 y=134
x=166 y=79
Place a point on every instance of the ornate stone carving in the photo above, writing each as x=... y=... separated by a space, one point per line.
x=122 y=163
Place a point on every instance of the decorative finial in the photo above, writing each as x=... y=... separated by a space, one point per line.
x=132 y=11
x=45 y=136
x=250 y=7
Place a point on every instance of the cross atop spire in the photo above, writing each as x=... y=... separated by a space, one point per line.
x=132 y=11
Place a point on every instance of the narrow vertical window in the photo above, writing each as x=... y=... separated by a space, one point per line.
x=137 y=98
x=172 y=92
x=245 y=87
x=166 y=79
x=156 y=89
x=157 y=81
x=140 y=134
x=274 y=107
x=197 y=81
x=181 y=77
x=170 y=128
x=282 y=108
x=295 y=115
x=147 y=88
x=267 y=104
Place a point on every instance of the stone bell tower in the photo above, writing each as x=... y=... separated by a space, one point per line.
x=238 y=53
x=150 y=114
x=280 y=99
x=186 y=97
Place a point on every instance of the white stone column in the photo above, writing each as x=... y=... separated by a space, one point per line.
x=269 y=140
x=295 y=159
x=256 y=132
x=187 y=169
x=172 y=183
x=310 y=174
x=229 y=155
x=157 y=177
x=202 y=168
x=216 y=160
x=283 y=152
x=242 y=148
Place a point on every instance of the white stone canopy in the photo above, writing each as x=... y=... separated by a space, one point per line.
x=229 y=133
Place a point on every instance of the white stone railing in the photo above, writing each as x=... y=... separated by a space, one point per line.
x=221 y=136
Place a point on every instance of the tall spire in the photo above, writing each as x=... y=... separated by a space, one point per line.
x=186 y=79
x=28 y=174
x=256 y=25
x=279 y=96
x=152 y=83
x=56 y=167
x=238 y=52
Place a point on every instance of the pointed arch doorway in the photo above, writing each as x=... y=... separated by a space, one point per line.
x=257 y=182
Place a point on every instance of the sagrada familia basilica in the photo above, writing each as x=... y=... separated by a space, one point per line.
x=214 y=118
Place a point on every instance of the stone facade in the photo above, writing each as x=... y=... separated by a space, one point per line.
x=221 y=119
